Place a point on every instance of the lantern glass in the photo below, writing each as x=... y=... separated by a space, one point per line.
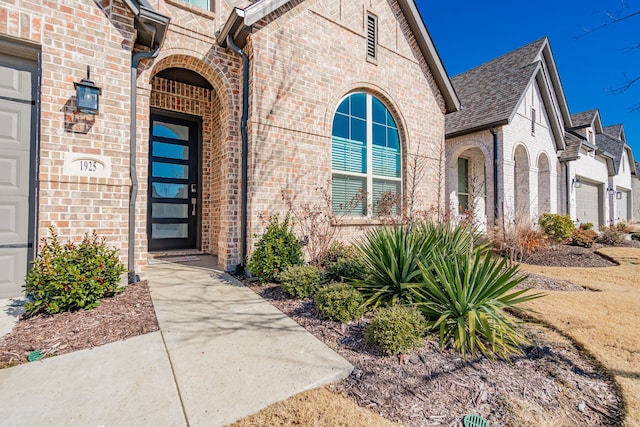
x=87 y=97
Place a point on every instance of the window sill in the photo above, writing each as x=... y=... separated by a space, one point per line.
x=358 y=220
x=193 y=9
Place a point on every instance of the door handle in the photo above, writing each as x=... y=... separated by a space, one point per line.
x=194 y=188
x=193 y=206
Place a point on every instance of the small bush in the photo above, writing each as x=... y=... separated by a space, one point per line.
x=396 y=329
x=587 y=226
x=518 y=242
x=340 y=302
x=345 y=268
x=70 y=277
x=300 y=281
x=610 y=236
x=335 y=251
x=621 y=227
x=558 y=227
x=584 y=238
x=277 y=249
x=635 y=236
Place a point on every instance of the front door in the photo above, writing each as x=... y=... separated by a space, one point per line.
x=174 y=206
x=18 y=80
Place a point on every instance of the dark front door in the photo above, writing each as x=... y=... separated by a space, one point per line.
x=174 y=205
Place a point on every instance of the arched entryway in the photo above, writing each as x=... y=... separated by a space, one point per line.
x=521 y=188
x=189 y=160
x=544 y=184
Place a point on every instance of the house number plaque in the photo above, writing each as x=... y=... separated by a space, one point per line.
x=80 y=164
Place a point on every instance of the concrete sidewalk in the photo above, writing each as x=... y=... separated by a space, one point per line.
x=232 y=352
x=222 y=353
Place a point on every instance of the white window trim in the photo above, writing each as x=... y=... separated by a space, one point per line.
x=369 y=176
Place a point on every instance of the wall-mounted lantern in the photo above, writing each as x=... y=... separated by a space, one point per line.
x=611 y=191
x=619 y=195
x=576 y=182
x=87 y=95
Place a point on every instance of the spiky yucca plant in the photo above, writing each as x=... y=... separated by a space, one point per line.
x=392 y=254
x=464 y=297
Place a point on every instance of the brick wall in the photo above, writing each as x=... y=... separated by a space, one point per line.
x=303 y=64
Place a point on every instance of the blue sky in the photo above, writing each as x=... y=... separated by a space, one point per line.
x=590 y=63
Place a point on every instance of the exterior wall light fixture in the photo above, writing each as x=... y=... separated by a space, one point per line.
x=576 y=182
x=611 y=191
x=87 y=95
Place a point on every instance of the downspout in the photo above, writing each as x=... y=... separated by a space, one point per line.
x=495 y=175
x=245 y=152
x=133 y=277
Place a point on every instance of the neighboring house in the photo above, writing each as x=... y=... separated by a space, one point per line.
x=338 y=92
x=600 y=167
x=501 y=147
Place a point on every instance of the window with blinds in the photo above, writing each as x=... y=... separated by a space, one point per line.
x=463 y=185
x=372 y=36
x=365 y=157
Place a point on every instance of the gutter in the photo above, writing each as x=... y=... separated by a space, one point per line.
x=133 y=277
x=245 y=151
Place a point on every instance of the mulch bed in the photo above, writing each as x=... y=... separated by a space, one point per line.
x=556 y=255
x=552 y=382
x=125 y=315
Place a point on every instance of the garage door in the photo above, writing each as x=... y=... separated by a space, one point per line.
x=622 y=207
x=17 y=113
x=588 y=204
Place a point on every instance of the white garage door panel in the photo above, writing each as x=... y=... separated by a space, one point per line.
x=14 y=176
x=588 y=204
x=14 y=220
x=17 y=112
x=15 y=125
x=12 y=271
x=15 y=78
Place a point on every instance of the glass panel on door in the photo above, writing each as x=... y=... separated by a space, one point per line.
x=173 y=183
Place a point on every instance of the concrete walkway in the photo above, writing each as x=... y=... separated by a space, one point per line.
x=222 y=353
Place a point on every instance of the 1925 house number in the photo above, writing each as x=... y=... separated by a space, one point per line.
x=88 y=166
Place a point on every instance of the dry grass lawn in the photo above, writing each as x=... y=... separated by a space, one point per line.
x=603 y=322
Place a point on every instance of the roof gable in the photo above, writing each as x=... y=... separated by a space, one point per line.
x=491 y=92
x=616 y=131
x=590 y=118
x=239 y=23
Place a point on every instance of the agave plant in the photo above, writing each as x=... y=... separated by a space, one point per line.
x=392 y=257
x=464 y=297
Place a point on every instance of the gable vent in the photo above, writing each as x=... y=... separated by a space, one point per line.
x=372 y=36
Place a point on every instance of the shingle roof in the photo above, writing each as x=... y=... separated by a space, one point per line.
x=613 y=146
x=571 y=152
x=584 y=118
x=490 y=92
x=613 y=130
x=637 y=171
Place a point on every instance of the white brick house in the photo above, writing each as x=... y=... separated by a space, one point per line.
x=501 y=147
x=600 y=167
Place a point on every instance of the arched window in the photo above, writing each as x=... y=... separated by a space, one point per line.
x=365 y=157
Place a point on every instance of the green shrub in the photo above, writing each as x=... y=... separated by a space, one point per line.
x=300 y=281
x=584 y=238
x=635 y=236
x=464 y=299
x=335 y=251
x=558 y=227
x=587 y=226
x=610 y=235
x=277 y=249
x=396 y=329
x=391 y=256
x=621 y=227
x=70 y=277
x=345 y=268
x=340 y=302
